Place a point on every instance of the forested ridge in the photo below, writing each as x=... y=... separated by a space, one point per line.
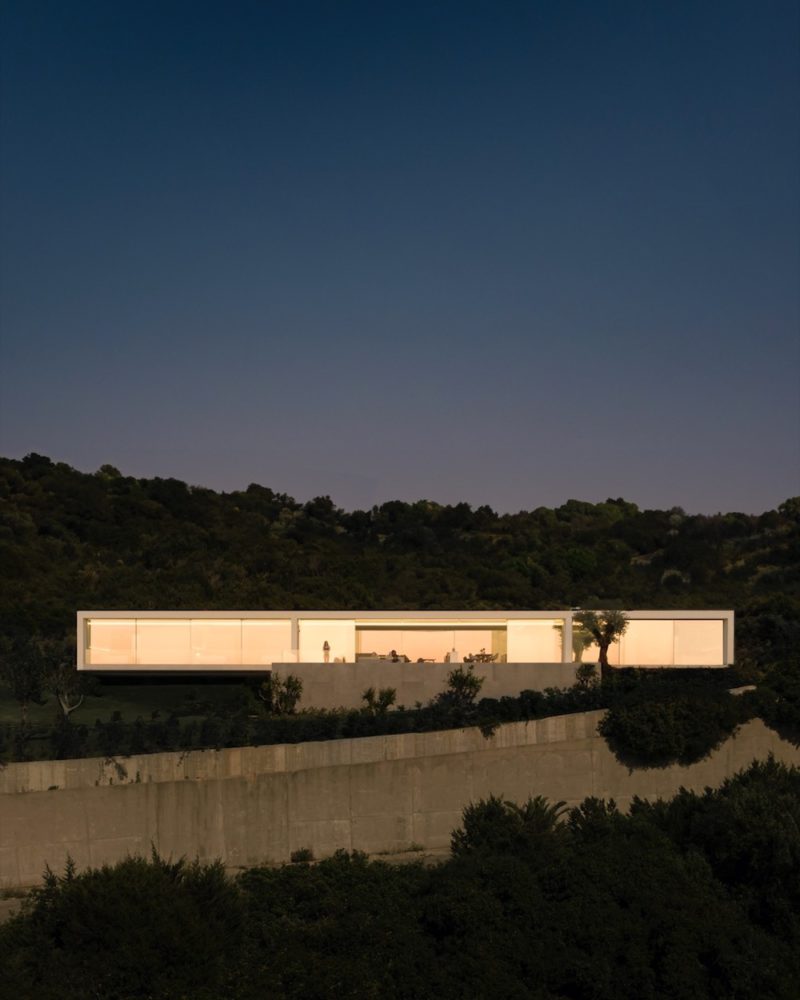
x=72 y=540
x=695 y=897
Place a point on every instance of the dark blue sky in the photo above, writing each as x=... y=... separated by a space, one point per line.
x=508 y=253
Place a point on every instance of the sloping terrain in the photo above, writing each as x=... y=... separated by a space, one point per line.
x=72 y=540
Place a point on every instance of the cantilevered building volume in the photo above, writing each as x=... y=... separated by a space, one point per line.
x=244 y=641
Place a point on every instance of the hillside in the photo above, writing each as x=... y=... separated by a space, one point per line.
x=72 y=540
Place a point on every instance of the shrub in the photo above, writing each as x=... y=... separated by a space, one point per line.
x=463 y=687
x=380 y=703
x=68 y=740
x=779 y=705
x=586 y=675
x=280 y=694
x=138 y=929
x=494 y=824
x=680 y=729
x=698 y=896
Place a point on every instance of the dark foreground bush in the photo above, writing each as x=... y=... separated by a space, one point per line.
x=779 y=704
x=660 y=717
x=137 y=929
x=682 y=730
x=692 y=898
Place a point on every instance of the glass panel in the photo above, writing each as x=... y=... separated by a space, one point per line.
x=163 y=641
x=265 y=641
x=110 y=641
x=378 y=642
x=216 y=641
x=426 y=644
x=698 y=643
x=473 y=642
x=339 y=635
x=430 y=644
x=647 y=643
x=535 y=641
x=591 y=653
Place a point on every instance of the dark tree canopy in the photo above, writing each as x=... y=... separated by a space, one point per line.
x=72 y=540
x=693 y=897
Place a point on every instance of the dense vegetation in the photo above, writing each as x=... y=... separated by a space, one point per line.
x=653 y=718
x=71 y=540
x=239 y=719
x=695 y=897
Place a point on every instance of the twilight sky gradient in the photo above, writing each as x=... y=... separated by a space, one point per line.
x=508 y=253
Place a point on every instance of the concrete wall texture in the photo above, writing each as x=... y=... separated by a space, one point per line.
x=381 y=794
x=341 y=685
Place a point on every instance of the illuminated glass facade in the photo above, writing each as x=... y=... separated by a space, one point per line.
x=230 y=641
x=185 y=642
x=667 y=642
x=434 y=643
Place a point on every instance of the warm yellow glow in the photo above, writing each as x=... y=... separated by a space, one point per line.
x=265 y=641
x=163 y=641
x=209 y=642
x=648 y=643
x=535 y=641
x=340 y=635
x=591 y=654
x=666 y=642
x=216 y=641
x=111 y=641
x=699 y=643
x=430 y=622
x=429 y=643
x=186 y=641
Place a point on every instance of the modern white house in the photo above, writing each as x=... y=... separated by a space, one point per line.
x=230 y=642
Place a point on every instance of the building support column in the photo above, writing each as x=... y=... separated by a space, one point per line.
x=566 y=646
x=727 y=640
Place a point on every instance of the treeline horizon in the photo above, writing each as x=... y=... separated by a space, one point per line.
x=111 y=471
x=71 y=540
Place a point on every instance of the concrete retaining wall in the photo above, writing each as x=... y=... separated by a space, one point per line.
x=258 y=804
x=335 y=685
